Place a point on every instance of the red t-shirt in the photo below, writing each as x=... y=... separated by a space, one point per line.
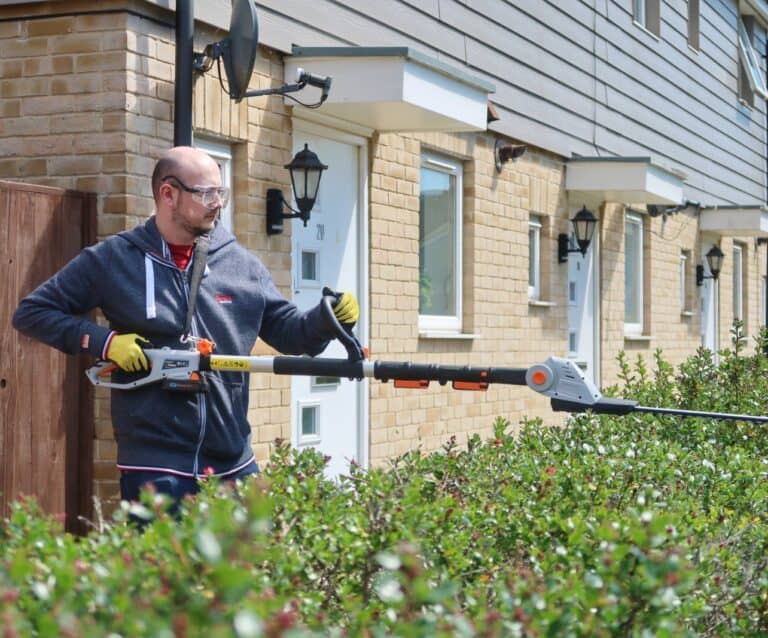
x=181 y=254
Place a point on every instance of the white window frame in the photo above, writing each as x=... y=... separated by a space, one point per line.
x=635 y=328
x=535 y=224
x=750 y=62
x=647 y=14
x=222 y=154
x=738 y=282
x=445 y=323
x=694 y=25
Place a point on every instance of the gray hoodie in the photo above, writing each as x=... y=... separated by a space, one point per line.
x=132 y=278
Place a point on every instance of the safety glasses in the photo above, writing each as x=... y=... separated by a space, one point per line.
x=208 y=196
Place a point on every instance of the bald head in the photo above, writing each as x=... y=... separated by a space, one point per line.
x=185 y=163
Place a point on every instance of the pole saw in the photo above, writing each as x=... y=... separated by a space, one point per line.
x=557 y=378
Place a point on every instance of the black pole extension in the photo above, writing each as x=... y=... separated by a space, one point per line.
x=182 y=101
x=706 y=415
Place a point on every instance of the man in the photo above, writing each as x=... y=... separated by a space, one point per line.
x=140 y=279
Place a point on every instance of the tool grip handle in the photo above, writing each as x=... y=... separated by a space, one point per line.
x=602 y=406
x=347 y=338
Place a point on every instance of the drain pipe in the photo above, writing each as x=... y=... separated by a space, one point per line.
x=182 y=99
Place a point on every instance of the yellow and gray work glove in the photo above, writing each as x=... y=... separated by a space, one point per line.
x=346 y=308
x=127 y=352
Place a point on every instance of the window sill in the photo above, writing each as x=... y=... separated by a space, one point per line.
x=638 y=337
x=687 y=313
x=437 y=334
x=642 y=27
x=541 y=303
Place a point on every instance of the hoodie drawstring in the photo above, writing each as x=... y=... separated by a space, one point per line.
x=149 y=287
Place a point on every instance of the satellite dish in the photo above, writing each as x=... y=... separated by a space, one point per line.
x=239 y=53
x=238 y=49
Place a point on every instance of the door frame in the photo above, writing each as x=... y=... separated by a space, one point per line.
x=594 y=291
x=339 y=135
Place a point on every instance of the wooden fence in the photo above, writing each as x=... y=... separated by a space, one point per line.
x=46 y=405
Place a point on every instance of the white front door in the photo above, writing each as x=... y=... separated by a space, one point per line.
x=328 y=412
x=710 y=319
x=583 y=339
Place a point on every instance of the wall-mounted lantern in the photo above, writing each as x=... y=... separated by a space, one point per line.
x=305 y=169
x=714 y=261
x=584 y=223
x=503 y=153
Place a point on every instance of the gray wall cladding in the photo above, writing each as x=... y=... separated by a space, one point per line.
x=576 y=77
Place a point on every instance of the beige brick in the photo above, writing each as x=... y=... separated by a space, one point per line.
x=27 y=48
x=166 y=52
x=77 y=165
x=79 y=43
x=53 y=26
x=99 y=143
x=154 y=108
x=105 y=470
x=22 y=87
x=21 y=126
x=75 y=123
x=48 y=105
x=116 y=163
x=10 y=108
x=11 y=69
x=159 y=70
x=108 y=61
x=100 y=22
x=49 y=65
x=76 y=84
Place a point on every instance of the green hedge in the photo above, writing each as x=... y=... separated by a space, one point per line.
x=631 y=526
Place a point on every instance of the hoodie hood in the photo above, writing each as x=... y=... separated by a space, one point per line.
x=147 y=238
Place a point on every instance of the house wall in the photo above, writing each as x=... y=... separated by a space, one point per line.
x=577 y=77
x=508 y=331
x=86 y=102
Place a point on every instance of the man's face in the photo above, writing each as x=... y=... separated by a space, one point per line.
x=191 y=212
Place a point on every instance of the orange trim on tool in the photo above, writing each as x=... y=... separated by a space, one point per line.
x=477 y=386
x=108 y=370
x=539 y=377
x=194 y=376
x=417 y=384
x=205 y=347
x=366 y=353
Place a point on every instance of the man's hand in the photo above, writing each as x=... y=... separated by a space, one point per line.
x=126 y=351
x=346 y=308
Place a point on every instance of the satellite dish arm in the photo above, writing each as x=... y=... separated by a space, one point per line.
x=304 y=79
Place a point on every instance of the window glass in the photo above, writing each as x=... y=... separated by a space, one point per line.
x=750 y=65
x=647 y=13
x=685 y=260
x=693 y=24
x=534 y=257
x=738 y=291
x=222 y=155
x=633 y=274
x=440 y=244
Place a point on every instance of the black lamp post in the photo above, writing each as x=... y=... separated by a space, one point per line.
x=305 y=169
x=584 y=223
x=714 y=261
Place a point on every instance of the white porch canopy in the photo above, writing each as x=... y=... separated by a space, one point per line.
x=629 y=180
x=742 y=221
x=392 y=89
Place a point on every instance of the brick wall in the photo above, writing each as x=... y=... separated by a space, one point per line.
x=508 y=330
x=86 y=102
